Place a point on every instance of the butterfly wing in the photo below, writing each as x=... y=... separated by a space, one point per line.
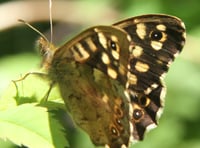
x=157 y=40
x=96 y=102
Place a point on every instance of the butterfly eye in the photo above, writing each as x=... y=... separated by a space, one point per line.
x=156 y=35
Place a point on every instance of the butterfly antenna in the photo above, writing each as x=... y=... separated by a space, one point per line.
x=36 y=30
x=50 y=20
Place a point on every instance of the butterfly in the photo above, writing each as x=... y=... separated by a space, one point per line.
x=111 y=77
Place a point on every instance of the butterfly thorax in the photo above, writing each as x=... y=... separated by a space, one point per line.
x=47 y=51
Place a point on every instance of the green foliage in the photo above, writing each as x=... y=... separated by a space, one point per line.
x=25 y=121
x=28 y=125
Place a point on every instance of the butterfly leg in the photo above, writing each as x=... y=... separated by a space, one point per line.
x=38 y=74
x=45 y=98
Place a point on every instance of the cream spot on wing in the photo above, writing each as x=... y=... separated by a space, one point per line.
x=129 y=38
x=83 y=52
x=114 y=38
x=132 y=79
x=136 y=106
x=122 y=69
x=112 y=73
x=162 y=95
x=135 y=21
x=131 y=138
x=91 y=44
x=162 y=76
x=105 y=98
x=128 y=66
x=154 y=85
x=141 y=67
x=74 y=52
x=161 y=27
x=141 y=30
x=148 y=91
x=183 y=25
x=159 y=113
x=137 y=51
x=175 y=55
x=184 y=35
x=150 y=127
x=127 y=94
x=123 y=146
x=115 y=54
x=105 y=58
x=164 y=37
x=156 y=45
x=102 y=40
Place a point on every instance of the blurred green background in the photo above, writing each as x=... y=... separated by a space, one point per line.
x=179 y=126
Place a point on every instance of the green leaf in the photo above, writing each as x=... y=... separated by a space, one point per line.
x=29 y=124
x=32 y=126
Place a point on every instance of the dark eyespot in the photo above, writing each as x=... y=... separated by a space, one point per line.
x=156 y=35
x=113 y=45
x=137 y=114
x=143 y=100
x=118 y=111
x=114 y=130
x=118 y=122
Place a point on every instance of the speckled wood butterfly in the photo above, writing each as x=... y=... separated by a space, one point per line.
x=111 y=77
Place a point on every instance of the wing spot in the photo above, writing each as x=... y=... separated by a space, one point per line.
x=144 y=101
x=137 y=51
x=91 y=44
x=79 y=53
x=122 y=69
x=158 y=36
x=105 y=99
x=141 y=30
x=151 y=126
x=84 y=53
x=123 y=146
x=184 y=36
x=118 y=111
x=114 y=38
x=183 y=25
x=112 y=73
x=115 y=54
x=114 y=130
x=141 y=67
x=156 y=45
x=132 y=79
x=103 y=40
x=105 y=58
x=149 y=89
x=162 y=96
x=137 y=114
x=161 y=27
